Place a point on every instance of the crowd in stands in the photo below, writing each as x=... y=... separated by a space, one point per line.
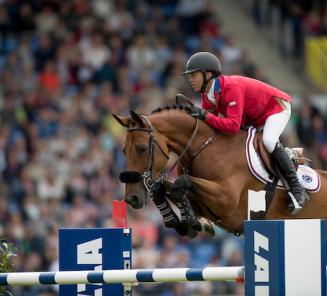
x=311 y=131
x=294 y=20
x=65 y=67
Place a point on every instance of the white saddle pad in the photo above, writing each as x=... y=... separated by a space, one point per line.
x=308 y=177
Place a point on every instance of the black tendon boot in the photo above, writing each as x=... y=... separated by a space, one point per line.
x=286 y=167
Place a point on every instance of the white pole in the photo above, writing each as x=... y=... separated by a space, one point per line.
x=123 y=276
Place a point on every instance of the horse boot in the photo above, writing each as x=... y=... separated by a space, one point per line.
x=297 y=193
x=179 y=190
x=169 y=217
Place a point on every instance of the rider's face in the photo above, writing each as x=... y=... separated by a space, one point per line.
x=196 y=80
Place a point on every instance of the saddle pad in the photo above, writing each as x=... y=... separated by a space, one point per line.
x=308 y=177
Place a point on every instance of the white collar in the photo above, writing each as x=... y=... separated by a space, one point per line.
x=211 y=93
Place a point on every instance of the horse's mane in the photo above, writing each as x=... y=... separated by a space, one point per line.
x=173 y=107
x=182 y=107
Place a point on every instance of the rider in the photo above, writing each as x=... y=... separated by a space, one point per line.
x=241 y=101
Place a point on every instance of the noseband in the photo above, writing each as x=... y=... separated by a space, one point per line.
x=146 y=176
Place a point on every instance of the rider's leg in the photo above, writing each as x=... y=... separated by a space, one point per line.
x=274 y=126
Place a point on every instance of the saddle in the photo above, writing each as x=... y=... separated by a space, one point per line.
x=296 y=154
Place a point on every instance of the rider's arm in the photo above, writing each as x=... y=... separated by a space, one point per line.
x=231 y=124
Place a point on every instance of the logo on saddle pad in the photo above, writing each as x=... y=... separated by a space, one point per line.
x=307 y=176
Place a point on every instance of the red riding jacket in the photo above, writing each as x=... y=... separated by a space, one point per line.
x=242 y=101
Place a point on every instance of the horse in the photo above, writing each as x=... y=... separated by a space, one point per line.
x=213 y=172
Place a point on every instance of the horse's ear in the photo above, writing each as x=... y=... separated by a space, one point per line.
x=137 y=118
x=123 y=120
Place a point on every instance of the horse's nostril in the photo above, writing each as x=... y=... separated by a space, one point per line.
x=132 y=199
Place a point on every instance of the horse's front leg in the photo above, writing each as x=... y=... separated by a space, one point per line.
x=180 y=190
x=170 y=218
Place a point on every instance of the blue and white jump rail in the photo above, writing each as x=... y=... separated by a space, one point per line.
x=284 y=258
x=131 y=276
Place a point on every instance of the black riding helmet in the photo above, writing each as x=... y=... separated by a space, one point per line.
x=203 y=61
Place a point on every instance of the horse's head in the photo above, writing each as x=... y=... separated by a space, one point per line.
x=146 y=152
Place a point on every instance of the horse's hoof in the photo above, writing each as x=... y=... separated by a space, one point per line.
x=207 y=226
x=259 y=215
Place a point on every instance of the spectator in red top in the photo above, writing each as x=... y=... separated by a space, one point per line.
x=49 y=77
x=241 y=101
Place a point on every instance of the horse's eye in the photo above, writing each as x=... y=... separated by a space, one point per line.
x=142 y=148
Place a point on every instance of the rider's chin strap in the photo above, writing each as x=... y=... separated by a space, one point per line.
x=206 y=81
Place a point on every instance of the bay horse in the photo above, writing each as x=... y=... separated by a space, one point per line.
x=212 y=168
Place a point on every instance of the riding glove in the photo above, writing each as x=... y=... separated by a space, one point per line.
x=198 y=112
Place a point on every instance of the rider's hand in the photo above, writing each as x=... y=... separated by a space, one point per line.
x=198 y=112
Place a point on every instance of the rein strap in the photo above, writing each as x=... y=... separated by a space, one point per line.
x=188 y=145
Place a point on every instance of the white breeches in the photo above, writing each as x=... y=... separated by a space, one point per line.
x=274 y=127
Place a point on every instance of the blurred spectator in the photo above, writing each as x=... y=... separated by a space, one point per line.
x=294 y=20
x=50 y=186
x=230 y=53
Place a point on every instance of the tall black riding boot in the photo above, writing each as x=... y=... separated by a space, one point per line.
x=287 y=168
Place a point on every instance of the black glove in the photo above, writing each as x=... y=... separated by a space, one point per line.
x=198 y=112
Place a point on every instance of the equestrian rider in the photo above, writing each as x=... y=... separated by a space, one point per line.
x=241 y=101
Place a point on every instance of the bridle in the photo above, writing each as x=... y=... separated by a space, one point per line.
x=147 y=176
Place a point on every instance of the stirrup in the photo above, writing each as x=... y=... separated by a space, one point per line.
x=294 y=206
